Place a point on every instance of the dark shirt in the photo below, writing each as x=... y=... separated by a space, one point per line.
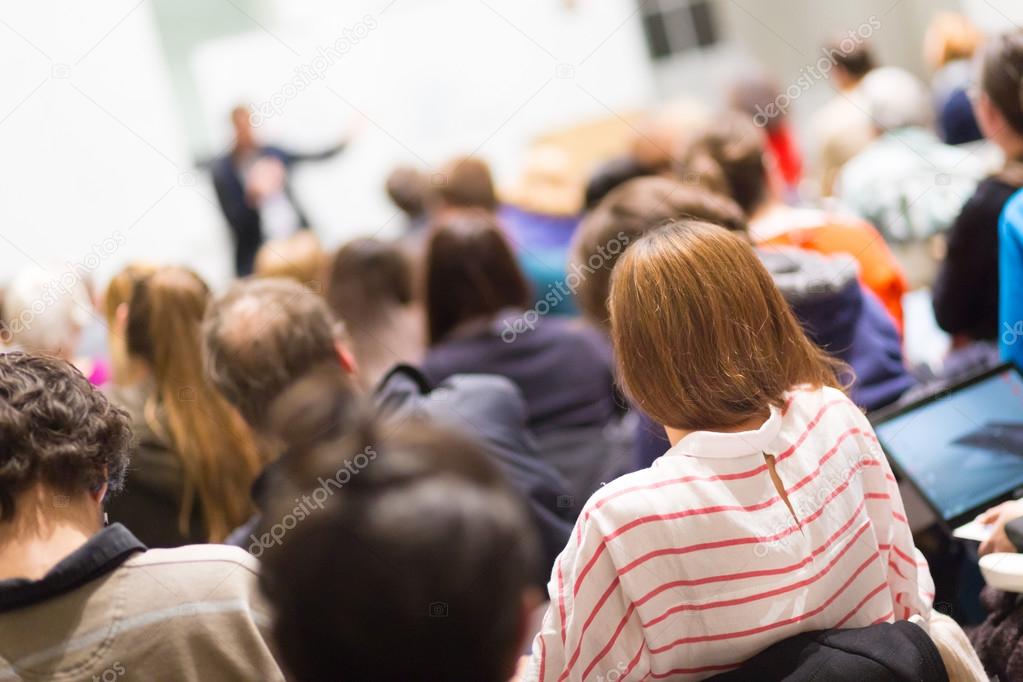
x=966 y=290
x=562 y=367
x=243 y=218
x=101 y=554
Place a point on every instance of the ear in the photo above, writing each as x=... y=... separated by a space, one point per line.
x=345 y=358
x=121 y=319
x=529 y=618
x=98 y=495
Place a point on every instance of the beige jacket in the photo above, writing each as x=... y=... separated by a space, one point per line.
x=183 y=614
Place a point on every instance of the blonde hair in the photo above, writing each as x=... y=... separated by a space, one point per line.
x=703 y=337
x=118 y=293
x=299 y=257
x=217 y=452
x=950 y=36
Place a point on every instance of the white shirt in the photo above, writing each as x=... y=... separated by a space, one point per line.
x=692 y=566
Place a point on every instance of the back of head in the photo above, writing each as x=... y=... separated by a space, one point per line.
x=410 y=536
x=756 y=93
x=299 y=257
x=467 y=183
x=216 y=450
x=896 y=99
x=703 y=337
x=729 y=154
x=408 y=188
x=44 y=311
x=56 y=430
x=637 y=207
x=950 y=36
x=262 y=335
x=1001 y=76
x=470 y=272
x=367 y=279
x=852 y=57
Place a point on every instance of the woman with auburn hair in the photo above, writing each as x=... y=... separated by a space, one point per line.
x=774 y=512
x=195 y=459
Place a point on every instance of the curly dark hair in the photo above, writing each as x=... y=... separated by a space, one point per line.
x=56 y=429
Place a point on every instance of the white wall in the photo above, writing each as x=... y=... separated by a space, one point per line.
x=434 y=78
x=92 y=149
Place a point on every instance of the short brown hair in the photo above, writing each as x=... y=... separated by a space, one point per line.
x=1002 y=76
x=702 y=335
x=626 y=214
x=729 y=154
x=366 y=278
x=57 y=429
x=470 y=272
x=299 y=257
x=856 y=61
x=261 y=336
x=467 y=183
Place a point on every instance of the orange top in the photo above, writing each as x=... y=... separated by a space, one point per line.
x=828 y=233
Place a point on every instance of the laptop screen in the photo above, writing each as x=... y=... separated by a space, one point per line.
x=965 y=448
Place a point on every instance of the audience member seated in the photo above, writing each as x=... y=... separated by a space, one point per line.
x=440 y=549
x=299 y=257
x=835 y=311
x=775 y=466
x=194 y=458
x=82 y=601
x=123 y=370
x=949 y=44
x=907 y=183
x=479 y=320
x=264 y=335
x=730 y=153
x=757 y=95
x=370 y=290
x=841 y=129
x=540 y=214
x=409 y=190
x=966 y=291
x=44 y=313
x=1010 y=274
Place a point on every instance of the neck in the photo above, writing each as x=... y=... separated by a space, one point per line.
x=1012 y=145
x=46 y=528
x=751 y=423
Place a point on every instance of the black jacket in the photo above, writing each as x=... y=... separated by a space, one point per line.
x=877 y=653
x=966 y=290
x=490 y=408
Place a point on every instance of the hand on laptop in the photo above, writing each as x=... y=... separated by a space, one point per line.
x=998 y=516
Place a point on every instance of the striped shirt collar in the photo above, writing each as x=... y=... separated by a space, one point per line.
x=723 y=445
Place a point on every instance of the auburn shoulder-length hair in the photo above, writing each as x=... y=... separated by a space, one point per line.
x=702 y=336
x=470 y=272
x=218 y=454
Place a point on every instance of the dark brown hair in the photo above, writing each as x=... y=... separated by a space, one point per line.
x=857 y=61
x=729 y=154
x=1001 y=76
x=470 y=272
x=421 y=522
x=466 y=182
x=626 y=214
x=367 y=278
x=56 y=429
x=703 y=337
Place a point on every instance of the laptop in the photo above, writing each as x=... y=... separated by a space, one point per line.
x=960 y=449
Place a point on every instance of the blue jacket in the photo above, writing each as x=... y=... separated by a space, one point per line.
x=1010 y=280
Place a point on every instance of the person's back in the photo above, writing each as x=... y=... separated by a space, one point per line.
x=189 y=613
x=562 y=367
x=774 y=513
x=83 y=601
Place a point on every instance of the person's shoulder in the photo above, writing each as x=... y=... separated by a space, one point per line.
x=207 y=564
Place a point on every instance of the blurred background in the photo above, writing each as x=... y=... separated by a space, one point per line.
x=112 y=111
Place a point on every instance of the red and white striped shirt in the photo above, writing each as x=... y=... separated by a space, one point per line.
x=692 y=566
